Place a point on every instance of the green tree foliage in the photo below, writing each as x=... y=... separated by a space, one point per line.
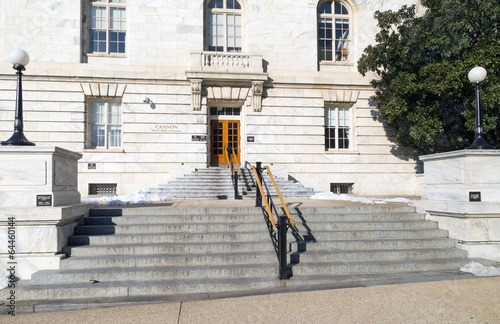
x=422 y=63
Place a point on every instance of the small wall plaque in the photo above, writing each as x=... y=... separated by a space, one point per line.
x=474 y=196
x=91 y=166
x=198 y=138
x=250 y=139
x=44 y=200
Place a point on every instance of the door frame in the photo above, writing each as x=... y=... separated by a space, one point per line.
x=225 y=134
x=211 y=104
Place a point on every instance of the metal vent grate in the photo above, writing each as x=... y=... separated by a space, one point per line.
x=102 y=189
x=341 y=188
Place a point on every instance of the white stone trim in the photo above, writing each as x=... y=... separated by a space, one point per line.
x=103 y=89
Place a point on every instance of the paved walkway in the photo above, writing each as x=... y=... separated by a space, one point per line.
x=453 y=301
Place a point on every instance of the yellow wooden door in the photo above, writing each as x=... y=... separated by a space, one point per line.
x=224 y=133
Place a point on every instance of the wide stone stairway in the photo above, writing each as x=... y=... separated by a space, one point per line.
x=216 y=183
x=165 y=253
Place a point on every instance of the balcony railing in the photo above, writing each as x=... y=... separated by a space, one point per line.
x=225 y=60
x=220 y=65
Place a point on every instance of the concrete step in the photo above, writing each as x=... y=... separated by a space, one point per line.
x=367 y=234
x=379 y=244
x=361 y=217
x=166 y=248
x=162 y=260
x=378 y=266
x=116 y=289
x=168 y=238
x=312 y=257
x=173 y=219
x=318 y=222
x=169 y=228
x=311 y=227
x=176 y=212
x=150 y=271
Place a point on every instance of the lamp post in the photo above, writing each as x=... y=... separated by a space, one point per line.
x=477 y=76
x=20 y=59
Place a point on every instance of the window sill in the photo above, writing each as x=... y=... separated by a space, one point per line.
x=336 y=63
x=102 y=150
x=106 y=55
x=342 y=152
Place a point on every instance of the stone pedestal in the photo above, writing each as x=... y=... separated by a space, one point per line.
x=40 y=206
x=462 y=192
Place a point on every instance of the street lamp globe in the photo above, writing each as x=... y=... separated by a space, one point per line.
x=19 y=57
x=477 y=74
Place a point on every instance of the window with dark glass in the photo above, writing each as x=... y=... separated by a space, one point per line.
x=107 y=26
x=333 y=32
x=337 y=128
x=224 y=111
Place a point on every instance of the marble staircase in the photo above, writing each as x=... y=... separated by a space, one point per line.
x=216 y=183
x=146 y=254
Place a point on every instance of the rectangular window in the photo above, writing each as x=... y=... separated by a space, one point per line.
x=337 y=128
x=105 y=125
x=224 y=111
x=107 y=28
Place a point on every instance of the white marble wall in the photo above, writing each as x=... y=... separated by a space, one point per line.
x=161 y=35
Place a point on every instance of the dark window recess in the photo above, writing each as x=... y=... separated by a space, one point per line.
x=224 y=111
x=102 y=189
x=341 y=188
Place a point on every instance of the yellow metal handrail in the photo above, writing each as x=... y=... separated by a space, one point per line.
x=229 y=160
x=285 y=208
x=226 y=155
x=269 y=212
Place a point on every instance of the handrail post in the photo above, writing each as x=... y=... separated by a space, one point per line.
x=258 y=195
x=236 y=193
x=284 y=271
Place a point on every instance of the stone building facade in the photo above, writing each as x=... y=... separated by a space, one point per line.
x=141 y=86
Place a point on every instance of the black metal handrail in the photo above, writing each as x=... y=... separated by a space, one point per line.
x=234 y=169
x=284 y=221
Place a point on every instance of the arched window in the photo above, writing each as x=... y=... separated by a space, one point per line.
x=333 y=32
x=224 y=26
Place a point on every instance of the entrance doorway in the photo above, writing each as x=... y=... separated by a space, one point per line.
x=224 y=132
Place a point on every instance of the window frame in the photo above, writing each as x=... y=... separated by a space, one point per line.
x=89 y=140
x=109 y=5
x=337 y=128
x=345 y=52
x=225 y=13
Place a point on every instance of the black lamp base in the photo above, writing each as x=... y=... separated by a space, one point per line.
x=480 y=144
x=17 y=139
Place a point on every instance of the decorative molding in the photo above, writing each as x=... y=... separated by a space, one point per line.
x=227 y=93
x=196 y=93
x=350 y=96
x=257 y=89
x=103 y=89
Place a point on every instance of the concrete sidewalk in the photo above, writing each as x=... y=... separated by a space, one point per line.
x=452 y=301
